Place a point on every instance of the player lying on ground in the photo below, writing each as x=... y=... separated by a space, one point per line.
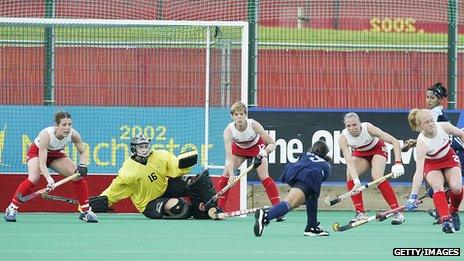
x=369 y=152
x=154 y=183
x=305 y=177
x=47 y=152
x=438 y=163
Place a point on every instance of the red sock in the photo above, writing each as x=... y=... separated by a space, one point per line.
x=357 y=199
x=25 y=188
x=388 y=194
x=439 y=200
x=455 y=201
x=271 y=190
x=222 y=200
x=82 y=192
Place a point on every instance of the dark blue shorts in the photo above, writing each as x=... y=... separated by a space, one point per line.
x=304 y=180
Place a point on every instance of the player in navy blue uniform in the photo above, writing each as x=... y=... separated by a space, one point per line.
x=434 y=98
x=305 y=178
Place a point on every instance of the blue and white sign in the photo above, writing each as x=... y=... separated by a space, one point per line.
x=106 y=132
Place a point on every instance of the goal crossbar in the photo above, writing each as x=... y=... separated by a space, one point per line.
x=113 y=22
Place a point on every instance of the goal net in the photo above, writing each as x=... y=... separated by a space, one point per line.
x=172 y=81
x=312 y=53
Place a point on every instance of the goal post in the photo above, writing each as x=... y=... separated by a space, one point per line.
x=173 y=80
x=243 y=97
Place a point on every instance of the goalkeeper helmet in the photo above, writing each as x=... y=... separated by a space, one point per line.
x=140 y=146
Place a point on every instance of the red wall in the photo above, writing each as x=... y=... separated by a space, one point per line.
x=112 y=76
x=174 y=77
x=341 y=79
x=96 y=183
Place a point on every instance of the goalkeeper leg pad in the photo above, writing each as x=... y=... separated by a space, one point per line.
x=155 y=208
x=99 y=204
x=200 y=189
x=181 y=210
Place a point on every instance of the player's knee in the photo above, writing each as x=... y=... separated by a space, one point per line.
x=33 y=179
x=155 y=208
x=167 y=208
x=70 y=170
x=176 y=208
x=453 y=189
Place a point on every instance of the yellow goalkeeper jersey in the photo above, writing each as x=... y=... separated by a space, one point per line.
x=144 y=183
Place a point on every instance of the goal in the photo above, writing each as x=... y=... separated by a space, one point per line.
x=172 y=81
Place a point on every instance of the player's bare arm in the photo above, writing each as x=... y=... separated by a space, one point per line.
x=258 y=128
x=77 y=140
x=83 y=158
x=421 y=149
x=451 y=129
x=377 y=132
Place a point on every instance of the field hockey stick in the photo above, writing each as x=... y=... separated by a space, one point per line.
x=380 y=216
x=60 y=198
x=213 y=214
x=350 y=193
x=336 y=226
x=203 y=206
x=47 y=189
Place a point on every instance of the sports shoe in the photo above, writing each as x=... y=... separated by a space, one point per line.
x=434 y=215
x=398 y=218
x=456 y=221
x=359 y=216
x=261 y=222
x=315 y=231
x=448 y=226
x=281 y=219
x=10 y=214
x=88 y=216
